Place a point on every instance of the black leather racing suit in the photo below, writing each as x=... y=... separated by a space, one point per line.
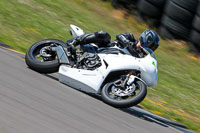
x=127 y=40
x=102 y=39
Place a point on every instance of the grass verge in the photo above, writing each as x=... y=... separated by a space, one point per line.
x=23 y=22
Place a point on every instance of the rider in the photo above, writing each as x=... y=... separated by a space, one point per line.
x=148 y=39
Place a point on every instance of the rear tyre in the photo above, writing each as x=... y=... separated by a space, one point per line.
x=194 y=38
x=196 y=23
x=123 y=101
x=178 y=13
x=157 y=3
x=190 y=5
x=165 y=33
x=33 y=53
x=198 y=9
x=148 y=9
x=175 y=27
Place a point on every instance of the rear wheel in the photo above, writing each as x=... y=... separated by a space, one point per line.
x=42 y=60
x=123 y=98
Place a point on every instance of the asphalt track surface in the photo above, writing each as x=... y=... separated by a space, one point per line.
x=34 y=103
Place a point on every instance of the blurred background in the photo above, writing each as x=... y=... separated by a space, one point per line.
x=175 y=19
x=177 y=95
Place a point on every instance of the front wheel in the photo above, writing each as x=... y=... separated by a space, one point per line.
x=40 y=59
x=123 y=98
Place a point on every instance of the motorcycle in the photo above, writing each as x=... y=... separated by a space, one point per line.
x=112 y=72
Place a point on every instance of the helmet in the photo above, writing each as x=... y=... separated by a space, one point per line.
x=149 y=39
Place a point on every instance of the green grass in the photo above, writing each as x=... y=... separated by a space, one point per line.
x=23 y=22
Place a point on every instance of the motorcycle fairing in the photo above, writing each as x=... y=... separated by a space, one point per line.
x=91 y=81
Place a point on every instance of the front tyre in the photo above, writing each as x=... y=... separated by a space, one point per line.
x=116 y=97
x=36 y=62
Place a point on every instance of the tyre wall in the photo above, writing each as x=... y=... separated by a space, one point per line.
x=175 y=19
x=194 y=38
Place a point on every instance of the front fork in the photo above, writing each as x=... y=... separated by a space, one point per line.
x=125 y=80
x=130 y=78
x=130 y=73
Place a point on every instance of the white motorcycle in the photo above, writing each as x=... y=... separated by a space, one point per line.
x=111 y=72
